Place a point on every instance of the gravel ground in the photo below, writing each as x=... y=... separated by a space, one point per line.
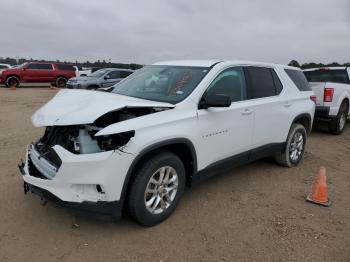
x=254 y=213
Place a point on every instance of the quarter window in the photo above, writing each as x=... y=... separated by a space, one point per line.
x=65 y=67
x=230 y=82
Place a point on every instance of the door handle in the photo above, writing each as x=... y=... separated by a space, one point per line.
x=287 y=104
x=247 y=112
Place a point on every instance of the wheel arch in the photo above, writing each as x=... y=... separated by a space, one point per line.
x=176 y=146
x=346 y=100
x=58 y=76
x=13 y=75
x=304 y=119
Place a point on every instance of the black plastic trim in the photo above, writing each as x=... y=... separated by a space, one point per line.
x=322 y=112
x=104 y=208
x=237 y=160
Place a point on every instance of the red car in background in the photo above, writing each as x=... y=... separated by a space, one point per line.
x=38 y=72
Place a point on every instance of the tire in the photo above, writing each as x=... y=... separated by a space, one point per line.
x=92 y=87
x=294 y=148
x=61 y=82
x=12 y=81
x=337 y=125
x=147 y=177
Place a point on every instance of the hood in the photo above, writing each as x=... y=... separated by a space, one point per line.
x=77 y=107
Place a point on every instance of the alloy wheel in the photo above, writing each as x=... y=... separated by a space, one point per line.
x=296 y=147
x=161 y=190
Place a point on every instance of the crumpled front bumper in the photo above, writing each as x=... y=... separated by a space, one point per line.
x=87 y=181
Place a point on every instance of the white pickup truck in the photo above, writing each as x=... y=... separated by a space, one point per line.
x=331 y=86
x=80 y=71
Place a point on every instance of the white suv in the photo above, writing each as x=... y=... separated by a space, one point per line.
x=168 y=125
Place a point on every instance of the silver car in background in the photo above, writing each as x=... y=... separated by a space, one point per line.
x=102 y=78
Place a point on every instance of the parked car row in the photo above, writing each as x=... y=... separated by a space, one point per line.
x=102 y=78
x=59 y=74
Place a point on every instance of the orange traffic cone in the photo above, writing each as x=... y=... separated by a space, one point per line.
x=319 y=193
x=53 y=87
x=13 y=87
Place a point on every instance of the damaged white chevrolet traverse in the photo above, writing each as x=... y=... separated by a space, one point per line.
x=169 y=125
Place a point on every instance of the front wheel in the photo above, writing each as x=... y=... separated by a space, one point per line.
x=295 y=147
x=157 y=188
x=12 y=81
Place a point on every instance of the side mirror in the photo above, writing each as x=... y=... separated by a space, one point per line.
x=107 y=77
x=215 y=100
x=24 y=69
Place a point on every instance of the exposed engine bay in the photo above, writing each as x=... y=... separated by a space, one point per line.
x=81 y=139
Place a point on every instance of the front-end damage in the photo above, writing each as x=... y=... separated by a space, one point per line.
x=74 y=163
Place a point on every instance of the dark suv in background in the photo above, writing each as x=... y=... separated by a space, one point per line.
x=38 y=72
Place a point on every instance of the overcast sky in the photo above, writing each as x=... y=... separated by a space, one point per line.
x=151 y=30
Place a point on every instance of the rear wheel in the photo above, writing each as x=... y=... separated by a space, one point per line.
x=12 y=81
x=337 y=125
x=295 y=147
x=61 y=82
x=157 y=188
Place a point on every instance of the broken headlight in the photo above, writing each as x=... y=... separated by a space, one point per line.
x=114 y=141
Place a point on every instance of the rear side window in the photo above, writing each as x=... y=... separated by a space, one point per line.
x=124 y=74
x=65 y=67
x=299 y=79
x=32 y=66
x=2 y=67
x=327 y=75
x=263 y=82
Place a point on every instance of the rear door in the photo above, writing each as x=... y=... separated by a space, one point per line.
x=272 y=108
x=111 y=78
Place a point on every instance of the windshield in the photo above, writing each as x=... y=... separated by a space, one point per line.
x=326 y=75
x=170 y=84
x=99 y=73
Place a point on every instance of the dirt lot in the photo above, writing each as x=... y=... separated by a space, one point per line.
x=255 y=213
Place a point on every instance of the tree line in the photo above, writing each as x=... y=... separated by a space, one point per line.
x=97 y=64
x=134 y=66
x=315 y=65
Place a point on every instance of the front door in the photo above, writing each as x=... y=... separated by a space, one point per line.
x=224 y=133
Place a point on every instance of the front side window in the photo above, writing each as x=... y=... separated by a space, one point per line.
x=124 y=74
x=230 y=82
x=170 y=84
x=114 y=75
x=262 y=82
